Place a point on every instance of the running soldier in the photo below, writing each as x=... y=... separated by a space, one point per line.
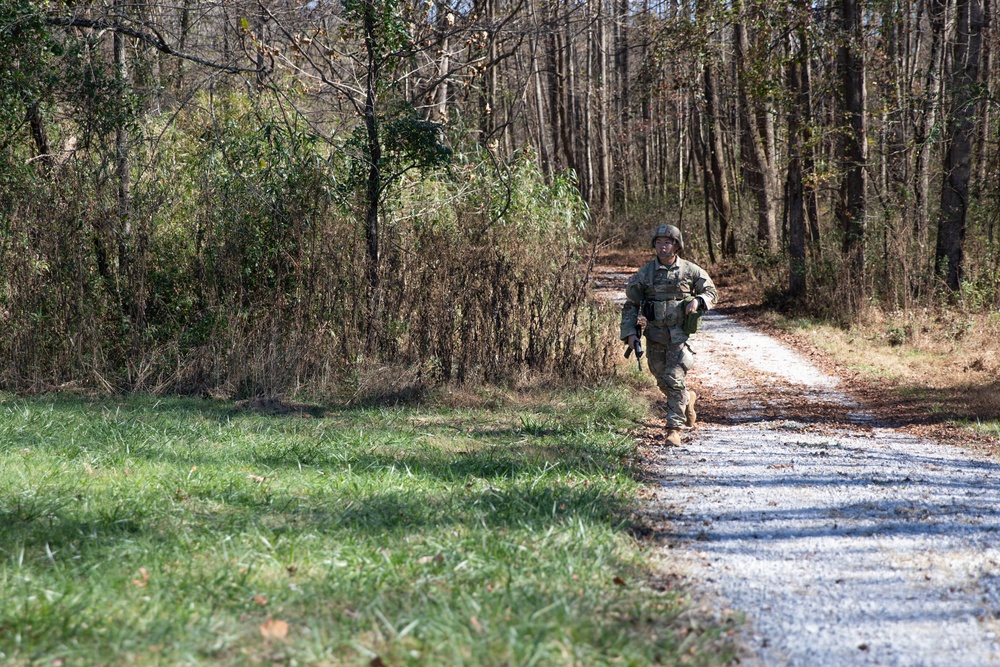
x=671 y=294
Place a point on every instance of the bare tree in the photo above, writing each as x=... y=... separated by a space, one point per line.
x=961 y=134
x=852 y=209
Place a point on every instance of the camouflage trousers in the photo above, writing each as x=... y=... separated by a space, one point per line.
x=669 y=364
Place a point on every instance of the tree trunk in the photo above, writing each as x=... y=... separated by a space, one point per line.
x=122 y=175
x=588 y=118
x=961 y=133
x=488 y=91
x=604 y=128
x=624 y=105
x=853 y=204
x=43 y=149
x=762 y=173
x=557 y=105
x=543 y=149
x=701 y=153
x=569 y=114
x=373 y=187
x=185 y=28
x=929 y=107
x=720 y=179
x=444 y=21
x=562 y=102
x=794 y=189
x=985 y=101
x=808 y=150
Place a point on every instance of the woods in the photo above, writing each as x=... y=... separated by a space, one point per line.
x=264 y=197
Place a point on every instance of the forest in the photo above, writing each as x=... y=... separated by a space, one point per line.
x=236 y=198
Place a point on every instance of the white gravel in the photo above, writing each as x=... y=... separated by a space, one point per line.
x=842 y=543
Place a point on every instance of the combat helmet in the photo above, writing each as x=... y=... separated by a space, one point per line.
x=667 y=230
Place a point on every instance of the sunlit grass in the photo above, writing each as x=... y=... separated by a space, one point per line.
x=148 y=531
x=990 y=427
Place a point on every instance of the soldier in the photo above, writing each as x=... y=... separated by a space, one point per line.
x=668 y=291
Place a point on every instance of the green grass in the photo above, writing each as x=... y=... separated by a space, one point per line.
x=987 y=427
x=147 y=531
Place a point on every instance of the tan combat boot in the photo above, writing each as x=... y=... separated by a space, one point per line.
x=692 y=416
x=673 y=437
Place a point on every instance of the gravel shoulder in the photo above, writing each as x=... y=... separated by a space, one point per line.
x=841 y=540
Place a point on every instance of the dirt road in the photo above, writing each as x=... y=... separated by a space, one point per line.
x=842 y=542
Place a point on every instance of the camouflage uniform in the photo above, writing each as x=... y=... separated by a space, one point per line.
x=657 y=292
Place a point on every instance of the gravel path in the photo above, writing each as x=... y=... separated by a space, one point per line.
x=842 y=542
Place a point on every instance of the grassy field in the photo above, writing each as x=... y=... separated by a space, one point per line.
x=184 y=531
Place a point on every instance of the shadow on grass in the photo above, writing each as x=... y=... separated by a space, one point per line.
x=496 y=453
x=48 y=524
x=359 y=493
x=929 y=405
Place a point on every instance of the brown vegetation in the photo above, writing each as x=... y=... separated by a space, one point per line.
x=327 y=196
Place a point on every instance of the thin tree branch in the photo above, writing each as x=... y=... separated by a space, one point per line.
x=151 y=38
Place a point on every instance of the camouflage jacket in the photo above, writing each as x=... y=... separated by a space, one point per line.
x=662 y=289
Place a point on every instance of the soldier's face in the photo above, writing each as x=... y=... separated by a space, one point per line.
x=666 y=248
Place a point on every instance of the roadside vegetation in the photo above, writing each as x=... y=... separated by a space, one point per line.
x=937 y=367
x=477 y=528
x=934 y=361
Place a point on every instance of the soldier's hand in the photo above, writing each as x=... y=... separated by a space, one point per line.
x=692 y=306
x=632 y=339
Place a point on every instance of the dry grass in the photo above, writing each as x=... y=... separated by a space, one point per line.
x=914 y=369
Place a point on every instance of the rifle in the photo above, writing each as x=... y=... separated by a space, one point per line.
x=637 y=348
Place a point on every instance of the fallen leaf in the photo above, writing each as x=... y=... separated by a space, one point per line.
x=423 y=560
x=862 y=647
x=143 y=578
x=274 y=629
x=476 y=625
x=619 y=581
x=257 y=478
x=260 y=599
x=292 y=569
x=376 y=662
